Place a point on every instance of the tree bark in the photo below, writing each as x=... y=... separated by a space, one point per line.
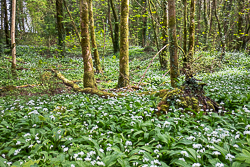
x=60 y=27
x=110 y=24
x=13 y=42
x=163 y=60
x=185 y=26
x=154 y=27
x=199 y=23
x=187 y=61
x=144 y=23
x=88 y=80
x=116 y=29
x=22 y=16
x=6 y=24
x=93 y=41
x=221 y=34
x=205 y=34
x=173 y=46
x=2 y=29
x=124 y=45
x=240 y=25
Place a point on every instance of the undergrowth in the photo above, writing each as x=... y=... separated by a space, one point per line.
x=49 y=125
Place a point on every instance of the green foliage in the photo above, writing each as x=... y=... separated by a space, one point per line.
x=81 y=130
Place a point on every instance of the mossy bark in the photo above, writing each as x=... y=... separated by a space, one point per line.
x=6 y=24
x=110 y=24
x=60 y=27
x=93 y=41
x=187 y=61
x=76 y=88
x=164 y=53
x=205 y=21
x=89 y=80
x=221 y=33
x=190 y=98
x=240 y=25
x=116 y=28
x=144 y=23
x=13 y=41
x=173 y=46
x=154 y=28
x=185 y=26
x=124 y=45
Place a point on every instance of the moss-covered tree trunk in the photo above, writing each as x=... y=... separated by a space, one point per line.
x=93 y=41
x=88 y=78
x=110 y=24
x=6 y=24
x=13 y=42
x=2 y=29
x=124 y=45
x=240 y=24
x=60 y=27
x=185 y=26
x=187 y=61
x=198 y=28
x=144 y=23
x=163 y=60
x=173 y=46
x=205 y=34
x=116 y=28
x=154 y=28
x=221 y=33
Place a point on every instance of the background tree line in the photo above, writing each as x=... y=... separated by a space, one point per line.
x=189 y=25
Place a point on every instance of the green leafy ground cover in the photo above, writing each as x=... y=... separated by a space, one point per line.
x=69 y=129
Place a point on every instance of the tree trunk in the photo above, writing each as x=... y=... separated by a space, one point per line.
x=144 y=23
x=163 y=61
x=199 y=23
x=221 y=34
x=93 y=41
x=240 y=25
x=116 y=29
x=187 y=65
x=185 y=26
x=173 y=46
x=13 y=43
x=6 y=25
x=2 y=29
x=22 y=16
x=88 y=80
x=205 y=34
x=110 y=25
x=154 y=27
x=124 y=45
x=60 y=27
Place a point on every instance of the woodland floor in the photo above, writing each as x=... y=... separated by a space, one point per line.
x=45 y=123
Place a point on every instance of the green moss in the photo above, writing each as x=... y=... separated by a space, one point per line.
x=211 y=106
x=195 y=105
x=172 y=94
x=89 y=79
x=8 y=88
x=164 y=107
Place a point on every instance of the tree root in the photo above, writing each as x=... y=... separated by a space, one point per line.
x=76 y=88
